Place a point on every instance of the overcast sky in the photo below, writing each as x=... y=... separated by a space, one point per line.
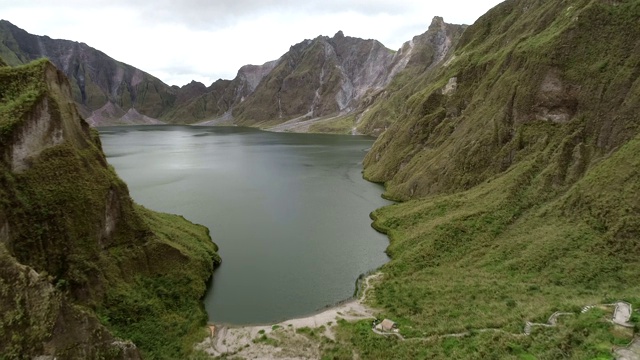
x=205 y=40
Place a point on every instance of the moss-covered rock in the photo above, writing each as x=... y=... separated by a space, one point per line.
x=74 y=245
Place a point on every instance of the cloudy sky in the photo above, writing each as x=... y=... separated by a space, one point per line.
x=205 y=40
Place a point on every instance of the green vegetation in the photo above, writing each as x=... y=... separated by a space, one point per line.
x=22 y=87
x=163 y=310
x=520 y=189
x=264 y=339
x=67 y=222
x=583 y=336
x=338 y=125
x=518 y=79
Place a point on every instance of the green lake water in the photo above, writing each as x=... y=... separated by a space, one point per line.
x=290 y=212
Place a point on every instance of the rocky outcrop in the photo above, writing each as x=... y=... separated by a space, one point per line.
x=96 y=79
x=71 y=238
x=319 y=77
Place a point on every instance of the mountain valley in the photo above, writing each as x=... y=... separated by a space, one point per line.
x=511 y=147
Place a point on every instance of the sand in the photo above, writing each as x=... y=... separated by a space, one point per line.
x=284 y=340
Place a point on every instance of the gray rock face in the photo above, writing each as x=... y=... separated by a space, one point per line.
x=316 y=79
x=251 y=75
x=96 y=79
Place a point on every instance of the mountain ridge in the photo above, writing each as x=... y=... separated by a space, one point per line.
x=327 y=93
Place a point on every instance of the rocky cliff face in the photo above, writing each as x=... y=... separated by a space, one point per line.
x=509 y=84
x=320 y=85
x=97 y=80
x=418 y=58
x=336 y=77
x=73 y=246
x=317 y=78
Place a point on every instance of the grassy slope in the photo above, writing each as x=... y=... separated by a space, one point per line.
x=516 y=217
x=337 y=125
x=449 y=143
x=156 y=263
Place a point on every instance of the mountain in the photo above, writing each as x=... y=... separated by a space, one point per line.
x=104 y=89
x=218 y=101
x=420 y=56
x=516 y=163
x=81 y=265
x=320 y=85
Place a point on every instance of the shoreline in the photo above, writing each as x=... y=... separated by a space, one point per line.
x=309 y=315
x=261 y=341
x=360 y=283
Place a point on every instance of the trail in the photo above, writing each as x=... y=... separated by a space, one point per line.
x=295 y=339
x=621 y=317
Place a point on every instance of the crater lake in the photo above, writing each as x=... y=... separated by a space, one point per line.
x=289 y=212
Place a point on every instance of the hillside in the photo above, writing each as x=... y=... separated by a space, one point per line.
x=424 y=54
x=517 y=160
x=85 y=272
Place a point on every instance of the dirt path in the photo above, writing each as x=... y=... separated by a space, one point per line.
x=553 y=320
x=621 y=316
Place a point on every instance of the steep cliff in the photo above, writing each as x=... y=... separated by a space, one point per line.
x=517 y=160
x=517 y=79
x=97 y=81
x=84 y=269
x=320 y=85
x=420 y=57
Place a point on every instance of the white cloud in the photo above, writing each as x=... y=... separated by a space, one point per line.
x=210 y=39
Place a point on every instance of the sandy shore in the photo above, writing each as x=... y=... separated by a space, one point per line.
x=282 y=340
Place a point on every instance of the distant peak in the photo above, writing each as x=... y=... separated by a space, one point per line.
x=437 y=21
x=194 y=83
x=339 y=35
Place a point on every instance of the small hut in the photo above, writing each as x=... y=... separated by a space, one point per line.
x=387 y=325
